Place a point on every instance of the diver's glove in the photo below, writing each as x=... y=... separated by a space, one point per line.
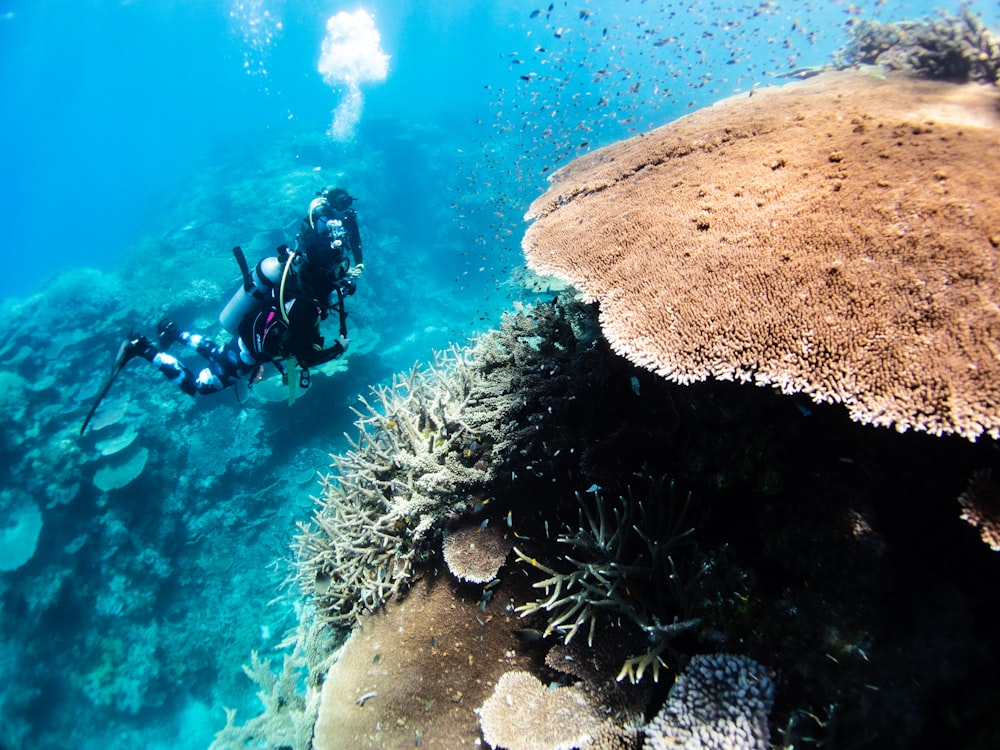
x=322 y=356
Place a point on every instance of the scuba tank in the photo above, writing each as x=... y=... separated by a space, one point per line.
x=256 y=290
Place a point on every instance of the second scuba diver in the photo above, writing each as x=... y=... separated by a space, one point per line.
x=275 y=316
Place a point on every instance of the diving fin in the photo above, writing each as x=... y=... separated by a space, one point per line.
x=125 y=352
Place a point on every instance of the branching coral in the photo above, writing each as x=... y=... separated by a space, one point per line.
x=622 y=563
x=374 y=517
x=980 y=503
x=958 y=47
x=289 y=714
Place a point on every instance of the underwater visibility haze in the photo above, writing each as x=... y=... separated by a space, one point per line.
x=181 y=574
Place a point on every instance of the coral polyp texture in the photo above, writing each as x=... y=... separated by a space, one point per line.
x=476 y=553
x=376 y=512
x=525 y=714
x=720 y=701
x=836 y=236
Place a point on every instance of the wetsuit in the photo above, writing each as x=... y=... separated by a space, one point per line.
x=265 y=336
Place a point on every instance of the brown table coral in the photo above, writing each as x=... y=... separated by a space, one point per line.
x=838 y=236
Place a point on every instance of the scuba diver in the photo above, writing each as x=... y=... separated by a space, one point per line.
x=328 y=211
x=274 y=317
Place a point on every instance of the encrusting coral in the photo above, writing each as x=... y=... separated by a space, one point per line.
x=720 y=701
x=835 y=236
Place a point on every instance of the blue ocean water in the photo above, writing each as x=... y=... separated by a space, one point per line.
x=144 y=139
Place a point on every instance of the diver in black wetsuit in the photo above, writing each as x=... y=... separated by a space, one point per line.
x=329 y=213
x=276 y=315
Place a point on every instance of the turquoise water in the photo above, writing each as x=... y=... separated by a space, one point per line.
x=140 y=142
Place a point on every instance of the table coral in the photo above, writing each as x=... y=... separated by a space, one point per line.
x=836 y=236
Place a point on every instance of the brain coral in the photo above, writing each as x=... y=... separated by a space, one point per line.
x=838 y=236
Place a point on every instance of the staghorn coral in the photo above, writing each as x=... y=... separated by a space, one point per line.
x=374 y=519
x=622 y=563
x=835 y=236
x=289 y=714
x=957 y=48
x=475 y=553
x=720 y=701
x=980 y=503
x=428 y=446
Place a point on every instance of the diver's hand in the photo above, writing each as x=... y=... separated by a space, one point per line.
x=355 y=273
x=344 y=342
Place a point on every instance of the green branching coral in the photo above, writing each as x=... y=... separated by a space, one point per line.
x=959 y=48
x=623 y=562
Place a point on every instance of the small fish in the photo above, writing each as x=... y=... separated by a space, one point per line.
x=634 y=381
x=529 y=635
x=363 y=699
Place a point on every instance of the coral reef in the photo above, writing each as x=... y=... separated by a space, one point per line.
x=165 y=520
x=802 y=519
x=955 y=48
x=833 y=236
x=413 y=674
x=376 y=515
x=429 y=444
x=289 y=716
x=720 y=700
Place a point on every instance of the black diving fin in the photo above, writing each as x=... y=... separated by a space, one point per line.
x=124 y=354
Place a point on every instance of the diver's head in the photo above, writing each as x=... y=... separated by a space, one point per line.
x=338 y=198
